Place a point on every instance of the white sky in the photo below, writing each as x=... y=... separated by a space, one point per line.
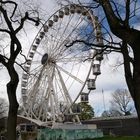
x=108 y=81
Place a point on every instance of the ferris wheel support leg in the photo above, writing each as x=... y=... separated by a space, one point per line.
x=67 y=94
x=52 y=108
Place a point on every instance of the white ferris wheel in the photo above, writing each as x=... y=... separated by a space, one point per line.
x=59 y=73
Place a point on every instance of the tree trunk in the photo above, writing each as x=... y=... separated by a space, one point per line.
x=137 y=95
x=12 y=114
x=133 y=77
x=13 y=104
x=136 y=78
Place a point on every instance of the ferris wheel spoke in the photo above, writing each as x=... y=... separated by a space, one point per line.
x=53 y=94
x=59 y=90
x=78 y=32
x=83 y=34
x=37 y=62
x=44 y=106
x=39 y=53
x=65 y=90
x=74 y=54
x=35 y=86
x=76 y=58
x=56 y=104
x=72 y=76
x=36 y=69
x=59 y=40
x=33 y=81
x=62 y=34
x=58 y=47
x=70 y=53
x=84 y=37
x=56 y=39
x=43 y=103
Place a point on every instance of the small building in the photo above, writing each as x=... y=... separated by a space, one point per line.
x=119 y=126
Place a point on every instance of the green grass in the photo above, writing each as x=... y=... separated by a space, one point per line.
x=116 y=138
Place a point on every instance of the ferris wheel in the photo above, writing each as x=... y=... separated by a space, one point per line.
x=59 y=73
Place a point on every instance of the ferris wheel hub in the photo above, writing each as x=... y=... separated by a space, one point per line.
x=44 y=59
x=47 y=60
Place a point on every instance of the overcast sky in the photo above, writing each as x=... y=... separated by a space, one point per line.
x=108 y=81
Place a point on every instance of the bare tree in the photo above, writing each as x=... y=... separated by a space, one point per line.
x=122 y=102
x=3 y=107
x=11 y=23
x=121 y=17
x=121 y=26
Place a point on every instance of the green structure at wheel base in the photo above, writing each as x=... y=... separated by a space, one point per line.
x=68 y=134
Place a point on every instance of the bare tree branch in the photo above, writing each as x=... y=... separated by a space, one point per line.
x=4 y=30
x=127 y=17
x=10 y=2
x=3 y=60
x=92 y=44
x=26 y=17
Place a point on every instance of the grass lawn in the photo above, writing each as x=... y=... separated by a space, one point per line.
x=116 y=138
